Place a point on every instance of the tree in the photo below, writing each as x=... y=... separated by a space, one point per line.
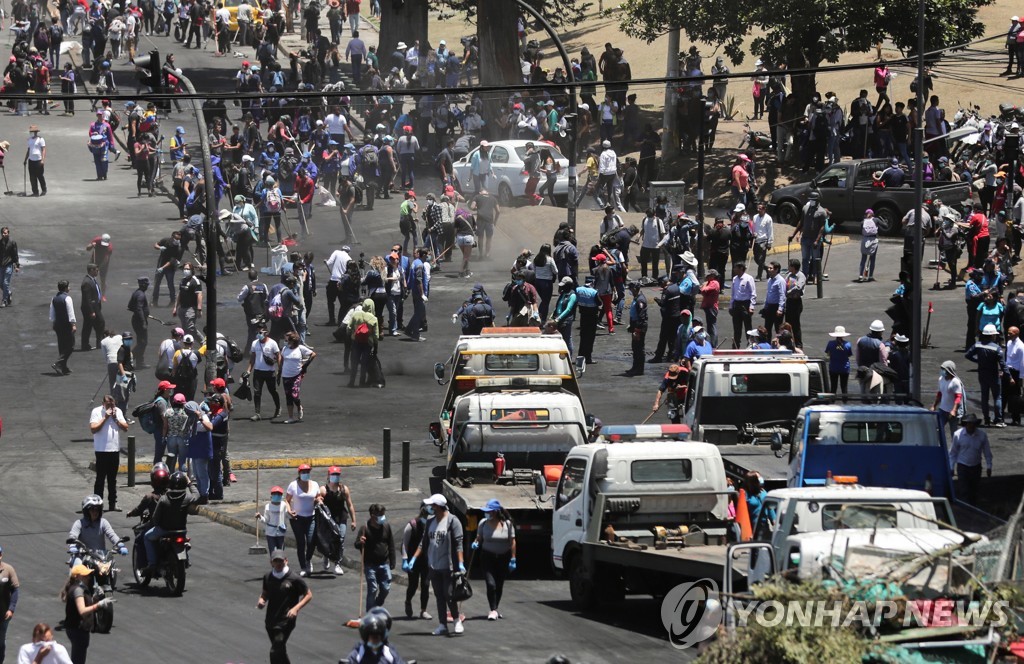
x=401 y=20
x=805 y=33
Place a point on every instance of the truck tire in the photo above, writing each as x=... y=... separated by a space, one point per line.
x=888 y=220
x=581 y=586
x=787 y=214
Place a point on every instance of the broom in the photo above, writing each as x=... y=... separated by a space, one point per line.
x=257 y=548
x=355 y=622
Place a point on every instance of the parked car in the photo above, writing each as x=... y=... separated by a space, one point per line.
x=509 y=181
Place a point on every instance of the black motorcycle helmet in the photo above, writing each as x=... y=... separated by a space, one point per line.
x=178 y=485
x=160 y=477
x=374 y=622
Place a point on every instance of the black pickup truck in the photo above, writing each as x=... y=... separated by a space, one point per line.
x=846 y=192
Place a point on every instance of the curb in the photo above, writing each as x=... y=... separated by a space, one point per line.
x=283 y=462
x=289 y=538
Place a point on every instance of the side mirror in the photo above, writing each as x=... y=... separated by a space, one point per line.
x=540 y=485
x=439 y=372
x=435 y=432
x=776 y=442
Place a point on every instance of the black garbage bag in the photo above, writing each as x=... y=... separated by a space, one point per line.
x=327 y=537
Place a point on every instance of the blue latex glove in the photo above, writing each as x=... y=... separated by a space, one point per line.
x=512 y=565
x=123 y=551
x=412 y=562
x=73 y=550
x=462 y=568
x=405 y=566
x=475 y=545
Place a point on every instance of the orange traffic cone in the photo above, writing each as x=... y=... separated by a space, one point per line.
x=743 y=517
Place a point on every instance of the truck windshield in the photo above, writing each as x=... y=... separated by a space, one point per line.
x=512 y=362
x=571 y=483
x=839 y=516
x=836 y=428
x=872 y=432
x=760 y=383
x=505 y=418
x=661 y=470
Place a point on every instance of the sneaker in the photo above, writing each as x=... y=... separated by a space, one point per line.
x=493 y=615
x=426 y=616
x=339 y=570
x=255 y=418
x=232 y=477
x=440 y=630
x=55 y=367
x=289 y=421
x=459 y=629
x=327 y=563
x=303 y=573
x=1000 y=425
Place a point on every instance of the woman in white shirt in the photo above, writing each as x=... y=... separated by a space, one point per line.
x=546 y=274
x=868 y=247
x=295 y=359
x=302 y=496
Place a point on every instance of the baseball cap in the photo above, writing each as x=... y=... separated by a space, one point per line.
x=179 y=398
x=188 y=339
x=334 y=470
x=436 y=499
x=277 y=555
x=80 y=570
x=219 y=383
x=276 y=489
x=492 y=505
x=166 y=385
x=305 y=466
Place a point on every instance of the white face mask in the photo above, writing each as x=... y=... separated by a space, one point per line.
x=279 y=575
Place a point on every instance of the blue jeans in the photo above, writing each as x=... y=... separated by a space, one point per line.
x=151 y=537
x=99 y=158
x=166 y=275
x=807 y=256
x=275 y=543
x=159 y=446
x=378 y=585
x=3 y=639
x=394 y=307
x=201 y=469
x=419 y=315
x=302 y=528
x=711 y=325
x=990 y=386
x=177 y=446
x=6 y=282
x=566 y=331
x=407 y=162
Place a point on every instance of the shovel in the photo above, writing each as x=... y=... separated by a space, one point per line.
x=7 y=187
x=257 y=549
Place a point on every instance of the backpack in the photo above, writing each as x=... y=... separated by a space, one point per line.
x=274 y=200
x=115 y=121
x=148 y=124
x=361 y=335
x=369 y=156
x=235 y=353
x=276 y=308
x=186 y=371
x=146 y=414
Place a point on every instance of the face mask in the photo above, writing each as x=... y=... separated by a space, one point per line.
x=261 y=336
x=279 y=575
x=187 y=273
x=276 y=500
x=430 y=510
x=335 y=478
x=129 y=343
x=381 y=519
x=304 y=477
x=375 y=647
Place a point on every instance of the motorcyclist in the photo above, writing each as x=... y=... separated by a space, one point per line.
x=374 y=648
x=159 y=479
x=171 y=514
x=91 y=529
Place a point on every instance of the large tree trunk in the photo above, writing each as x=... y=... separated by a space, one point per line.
x=401 y=20
x=499 y=51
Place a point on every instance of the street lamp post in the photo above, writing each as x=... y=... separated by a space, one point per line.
x=573 y=110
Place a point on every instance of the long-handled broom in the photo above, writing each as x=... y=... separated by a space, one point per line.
x=257 y=549
x=354 y=623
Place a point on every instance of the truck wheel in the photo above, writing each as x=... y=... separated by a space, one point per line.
x=581 y=586
x=888 y=220
x=787 y=214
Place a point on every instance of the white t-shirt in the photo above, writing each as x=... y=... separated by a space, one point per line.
x=337 y=263
x=949 y=388
x=223 y=16
x=302 y=501
x=167 y=349
x=268 y=347
x=335 y=123
x=58 y=653
x=110 y=346
x=35 y=148
x=107 y=439
x=292 y=359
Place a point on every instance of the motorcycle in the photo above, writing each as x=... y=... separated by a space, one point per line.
x=104 y=578
x=172 y=551
x=757 y=140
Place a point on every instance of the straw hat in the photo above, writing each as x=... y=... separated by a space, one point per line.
x=839 y=332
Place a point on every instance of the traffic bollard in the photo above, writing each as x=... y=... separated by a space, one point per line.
x=387 y=453
x=131 y=460
x=405 y=465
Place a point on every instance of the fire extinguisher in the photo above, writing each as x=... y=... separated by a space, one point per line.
x=499 y=465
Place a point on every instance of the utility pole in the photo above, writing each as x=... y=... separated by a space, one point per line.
x=670 y=134
x=916 y=328
x=702 y=129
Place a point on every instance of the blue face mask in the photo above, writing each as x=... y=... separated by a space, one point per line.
x=430 y=510
x=381 y=519
x=335 y=478
x=304 y=477
x=129 y=343
x=375 y=647
x=275 y=499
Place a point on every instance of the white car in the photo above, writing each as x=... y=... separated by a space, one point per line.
x=509 y=181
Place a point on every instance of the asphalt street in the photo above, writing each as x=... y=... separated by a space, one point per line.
x=46 y=446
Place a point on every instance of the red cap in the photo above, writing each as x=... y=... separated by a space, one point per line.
x=411 y=193
x=245 y=63
x=601 y=258
x=334 y=470
x=407 y=129
x=276 y=489
x=305 y=466
x=166 y=385
x=218 y=383
x=743 y=157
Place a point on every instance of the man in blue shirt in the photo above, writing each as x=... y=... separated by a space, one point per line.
x=637 y=328
x=744 y=299
x=698 y=346
x=565 y=310
x=989 y=358
x=590 y=308
x=973 y=296
x=775 y=300
x=419 y=286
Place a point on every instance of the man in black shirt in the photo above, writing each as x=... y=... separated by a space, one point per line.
x=92 y=306
x=718 y=242
x=189 y=305
x=377 y=544
x=139 y=306
x=171 y=251
x=284 y=594
x=671 y=312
